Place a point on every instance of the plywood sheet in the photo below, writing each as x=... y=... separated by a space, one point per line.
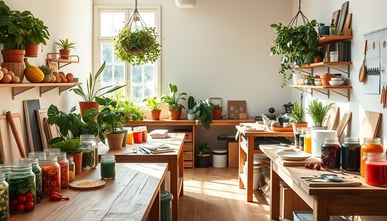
x=332 y=119
x=47 y=132
x=32 y=127
x=8 y=147
x=370 y=125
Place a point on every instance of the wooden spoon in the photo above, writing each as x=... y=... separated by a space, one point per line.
x=363 y=69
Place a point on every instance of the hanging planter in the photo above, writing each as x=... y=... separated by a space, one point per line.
x=136 y=43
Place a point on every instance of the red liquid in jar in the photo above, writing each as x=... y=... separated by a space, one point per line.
x=376 y=173
x=137 y=136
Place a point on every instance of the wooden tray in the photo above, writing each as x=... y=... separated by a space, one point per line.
x=282 y=129
x=333 y=184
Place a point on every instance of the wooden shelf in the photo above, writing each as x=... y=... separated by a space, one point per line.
x=55 y=57
x=326 y=89
x=43 y=87
x=333 y=38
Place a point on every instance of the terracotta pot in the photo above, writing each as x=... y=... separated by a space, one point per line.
x=64 y=54
x=156 y=114
x=13 y=55
x=217 y=114
x=325 y=78
x=115 y=140
x=32 y=50
x=84 y=105
x=175 y=114
x=77 y=157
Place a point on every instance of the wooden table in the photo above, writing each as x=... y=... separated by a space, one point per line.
x=324 y=201
x=174 y=159
x=133 y=195
x=246 y=153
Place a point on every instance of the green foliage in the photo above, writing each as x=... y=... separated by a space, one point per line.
x=137 y=46
x=110 y=116
x=65 y=44
x=297 y=112
x=191 y=102
x=91 y=91
x=154 y=103
x=318 y=111
x=174 y=98
x=202 y=148
x=204 y=113
x=294 y=44
x=130 y=109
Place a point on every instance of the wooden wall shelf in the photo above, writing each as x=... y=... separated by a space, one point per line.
x=43 y=87
x=326 y=90
x=54 y=57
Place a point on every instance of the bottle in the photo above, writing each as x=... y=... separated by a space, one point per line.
x=370 y=145
x=50 y=174
x=330 y=153
x=129 y=136
x=332 y=28
x=64 y=169
x=22 y=188
x=350 y=154
x=375 y=169
x=308 y=142
x=5 y=169
x=71 y=168
x=38 y=175
x=89 y=151
x=108 y=167
x=4 y=198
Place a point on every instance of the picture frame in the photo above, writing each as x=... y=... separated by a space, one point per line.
x=342 y=17
x=237 y=110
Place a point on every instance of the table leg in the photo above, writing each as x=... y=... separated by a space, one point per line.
x=274 y=194
x=174 y=168
x=250 y=159
x=155 y=210
x=320 y=209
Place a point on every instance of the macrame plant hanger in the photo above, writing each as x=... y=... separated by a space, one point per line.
x=135 y=20
x=299 y=16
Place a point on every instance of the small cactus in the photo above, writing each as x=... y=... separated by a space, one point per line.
x=191 y=102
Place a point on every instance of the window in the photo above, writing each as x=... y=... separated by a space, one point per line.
x=142 y=80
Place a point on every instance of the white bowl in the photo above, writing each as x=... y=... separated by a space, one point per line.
x=336 y=83
x=317 y=82
x=336 y=79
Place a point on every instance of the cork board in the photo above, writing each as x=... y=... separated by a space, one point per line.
x=237 y=109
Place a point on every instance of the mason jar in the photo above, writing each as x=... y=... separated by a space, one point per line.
x=71 y=168
x=4 y=198
x=375 y=169
x=22 y=188
x=373 y=145
x=5 y=169
x=64 y=169
x=330 y=153
x=38 y=176
x=108 y=167
x=50 y=174
x=90 y=151
x=350 y=154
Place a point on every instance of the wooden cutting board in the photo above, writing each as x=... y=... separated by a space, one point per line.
x=332 y=184
x=296 y=163
x=370 y=125
x=8 y=147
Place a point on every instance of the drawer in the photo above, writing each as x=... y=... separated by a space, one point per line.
x=188 y=164
x=187 y=147
x=188 y=137
x=188 y=156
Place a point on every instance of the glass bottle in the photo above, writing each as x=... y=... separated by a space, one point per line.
x=89 y=151
x=108 y=167
x=50 y=174
x=5 y=169
x=332 y=28
x=4 y=198
x=71 y=168
x=308 y=142
x=129 y=136
x=64 y=169
x=330 y=153
x=22 y=188
x=375 y=169
x=350 y=154
x=38 y=175
x=373 y=145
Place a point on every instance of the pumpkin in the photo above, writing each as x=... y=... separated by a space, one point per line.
x=32 y=73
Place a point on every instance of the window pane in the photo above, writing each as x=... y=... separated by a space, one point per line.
x=111 y=23
x=107 y=52
x=136 y=75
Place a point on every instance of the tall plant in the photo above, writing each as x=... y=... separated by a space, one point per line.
x=318 y=111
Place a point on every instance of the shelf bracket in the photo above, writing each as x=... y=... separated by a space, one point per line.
x=44 y=89
x=19 y=90
x=347 y=95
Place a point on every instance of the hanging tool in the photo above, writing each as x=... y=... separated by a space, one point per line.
x=363 y=68
x=22 y=151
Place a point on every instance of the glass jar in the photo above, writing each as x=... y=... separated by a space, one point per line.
x=89 y=151
x=50 y=174
x=38 y=175
x=4 y=198
x=375 y=169
x=71 y=168
x=137 y=135
x=64 y=169
x=297 y=139
x=22 y=188
x=308 y=143
x=144 y=134
x=373 y=145
x=108 y=167
x=5 y=169
x=129 y=136
x=350 y=154
x=330 y=153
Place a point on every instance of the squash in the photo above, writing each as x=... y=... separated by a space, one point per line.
x=32 y=73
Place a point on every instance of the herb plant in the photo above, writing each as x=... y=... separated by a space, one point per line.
x=318 y=111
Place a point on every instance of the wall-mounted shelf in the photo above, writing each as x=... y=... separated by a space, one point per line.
x=333 y=38
x=329 y=65
x=326 y=90
x=55 y=57
x=43 y=87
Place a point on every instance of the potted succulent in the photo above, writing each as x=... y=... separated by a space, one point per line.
x=297 y=115
x=204 y=113
x=154 y=103
x=296 y=44
x=317 y=110
x=190 y=105
x=88 y=96
x=64 y=46
x=203 y=155
x=174 y=101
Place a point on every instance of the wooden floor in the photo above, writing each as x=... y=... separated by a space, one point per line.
x=213 y=194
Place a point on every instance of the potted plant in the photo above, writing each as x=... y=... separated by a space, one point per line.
x=38 y=34
x=174 y=102
x=318 y=111
x=203 y=155
x=137 y=46
x=109 y=119
x=88 y=96
x=190 y=105
x=297 y=115
x=295 y=44
x=204 y=113
x=65 y=45
x=217 y=109
x=154 y=103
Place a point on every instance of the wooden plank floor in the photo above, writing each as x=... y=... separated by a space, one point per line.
x=213 y=194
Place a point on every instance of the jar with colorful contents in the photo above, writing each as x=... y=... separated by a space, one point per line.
x=375 y=169
x=330 y=153
x=50 y=174
x=38 y=176
x=89 y=151
x=4 y=198
x=71 y=168
x=371 y=145
x=137 y=135
x=350 y=154
x=22 y=188
x=108 y=167
x=64 y=169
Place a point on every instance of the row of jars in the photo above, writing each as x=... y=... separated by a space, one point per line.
x=136 y=135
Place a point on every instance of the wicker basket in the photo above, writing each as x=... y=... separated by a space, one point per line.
x=17 y=68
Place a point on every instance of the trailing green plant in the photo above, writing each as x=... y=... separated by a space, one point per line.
x=174 y=98
x=138 y=46
x=65 y=44
x=204 y=113
x=202 y=148
x=92 y=91
x=154 y=103
x=110 y=116
x=297 y=112
x=318 y=111
x=295 y=44
x=128 y=106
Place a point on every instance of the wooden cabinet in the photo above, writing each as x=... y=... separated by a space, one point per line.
x=189 y=159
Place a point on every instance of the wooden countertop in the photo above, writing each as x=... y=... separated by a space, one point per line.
x=186 y=122
x=130 y=196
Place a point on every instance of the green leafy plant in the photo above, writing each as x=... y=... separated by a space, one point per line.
x=204 y=113
x=191 y=103
x=154 y=103
x=297 y=112
x=38 y=32
x=92 y=91
x=138 y=46
x=110 y=116
x=295 y=44
x=128 y=106
x=65 y=44
x=318 y=111
x=174 y=98
x=202 y=149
